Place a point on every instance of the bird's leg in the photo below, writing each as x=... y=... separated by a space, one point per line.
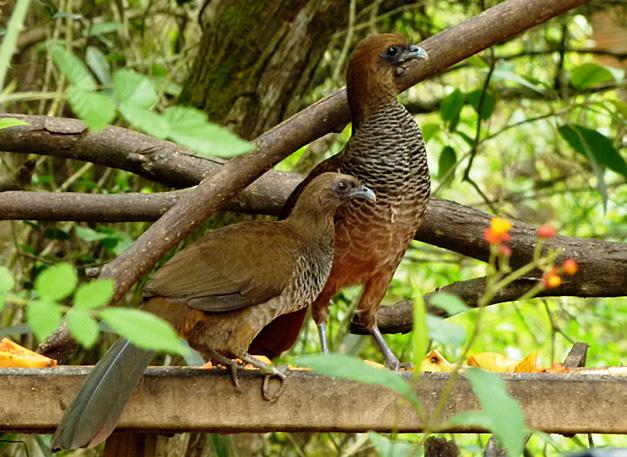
x=322 y=334
x=391 y=361
x=371 y=297
x=229 y=363
x=270 y=372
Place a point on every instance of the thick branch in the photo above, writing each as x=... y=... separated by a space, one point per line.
x=398 y=318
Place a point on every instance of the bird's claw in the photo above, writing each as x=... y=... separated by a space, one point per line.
x=265 y=388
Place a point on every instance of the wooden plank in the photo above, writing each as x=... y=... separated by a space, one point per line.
x=174 y=399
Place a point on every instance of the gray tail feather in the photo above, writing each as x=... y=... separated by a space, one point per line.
x=94 y=412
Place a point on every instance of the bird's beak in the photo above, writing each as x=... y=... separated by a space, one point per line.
x=364 y=192
x=413 y=52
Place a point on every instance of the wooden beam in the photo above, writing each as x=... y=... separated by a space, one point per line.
x=176 y=399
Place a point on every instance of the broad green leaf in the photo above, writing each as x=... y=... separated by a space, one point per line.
x=2 y=301
x=89 y=234
x=143 y=329
x=476 y=418
x=56 y=282
x=503 y=412
x=6 y=280
x=189 y=128
x=94 y=294
x=145 y=120
x=591 y=143
x=489 y=100
x=450 y=303
x=477 y=61
x=98 y=63
x=429 y=130
x=7 y=122
x=83 y=327
x=221 y=445
x=95 y=108
x=451 y=107
x=354 y=369
x=43 y=317
x=420 y=331
x=503 y=74
x=73 y=68
x=446 y=161
x=104 y=27
x=445 y=332
x=590 y=74
x=133 y=89
x=391 y=448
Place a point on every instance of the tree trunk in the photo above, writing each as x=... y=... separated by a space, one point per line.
x=257 y=60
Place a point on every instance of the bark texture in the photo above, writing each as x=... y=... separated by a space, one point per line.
x=257 y=60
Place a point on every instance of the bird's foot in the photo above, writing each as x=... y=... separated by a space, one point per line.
x=391 y=361
x=270 y=372
x=231 y=364
x=322 y=335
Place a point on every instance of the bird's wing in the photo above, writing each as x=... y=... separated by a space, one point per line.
x=330 y=164
x=233 y=267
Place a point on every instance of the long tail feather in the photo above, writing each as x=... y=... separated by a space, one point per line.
x=94 y=412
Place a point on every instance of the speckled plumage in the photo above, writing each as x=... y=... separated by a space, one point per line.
x=387 y=152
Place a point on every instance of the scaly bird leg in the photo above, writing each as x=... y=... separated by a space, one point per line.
x=391 y=361
x=322 y=334
x=229 y=363
x=270 y=372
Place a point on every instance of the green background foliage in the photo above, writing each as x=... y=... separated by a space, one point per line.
x=532 y=130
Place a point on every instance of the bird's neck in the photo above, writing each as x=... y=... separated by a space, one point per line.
x=367 y=95
x=312 y=224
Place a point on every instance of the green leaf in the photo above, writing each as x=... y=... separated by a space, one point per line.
x=43 y=317
x=489 y=100
x=429 y=130
x=98 y=63
x=354 y=369
x=476 y=418
x=94 y=294
x=133 y=89
x=445 y=332
x=6 y=280
x=447 y=160
x=503 y=74
x=73 y=68
x=145 y=120
x=420 y=332
x=143 y=329
x=96 y=109
x=451 y=107
x=592 y=144
x=56 y=282
x=7 y=122
x=83 y=327
x=386 y=447
x=189 y=128
x=502 y=412
x=450 y=303
x=104 y=27
x=590 y=74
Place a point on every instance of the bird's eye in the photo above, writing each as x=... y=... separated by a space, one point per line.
x=341 y=186
x=392 y=51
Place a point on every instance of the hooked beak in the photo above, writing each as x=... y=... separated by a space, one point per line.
x=364 y=192
x=413 y=52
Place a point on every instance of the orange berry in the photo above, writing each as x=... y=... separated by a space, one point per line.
x=552 y=279
x=506 y=250
x=500 y=226
x=569 y=267
x=546 y=231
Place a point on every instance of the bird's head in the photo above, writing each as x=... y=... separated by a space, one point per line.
x=326 y=192
x=374 y=71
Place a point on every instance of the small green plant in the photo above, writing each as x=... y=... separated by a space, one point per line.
x=132 y=96
x=47 y=304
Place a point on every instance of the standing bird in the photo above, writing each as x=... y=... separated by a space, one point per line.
x=386 y=152
x=219 y=293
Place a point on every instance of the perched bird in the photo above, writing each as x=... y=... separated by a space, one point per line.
x=386 y=152
x=219 y=293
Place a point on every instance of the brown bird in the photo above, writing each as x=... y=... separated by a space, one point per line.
x=386 y=152
x=219 y=293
